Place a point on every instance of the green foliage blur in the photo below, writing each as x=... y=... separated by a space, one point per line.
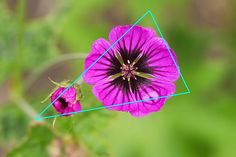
x=51 y=38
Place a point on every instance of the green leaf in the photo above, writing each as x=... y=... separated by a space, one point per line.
x=36 y=144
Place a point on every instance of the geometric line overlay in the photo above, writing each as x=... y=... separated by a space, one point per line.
x=40 y=117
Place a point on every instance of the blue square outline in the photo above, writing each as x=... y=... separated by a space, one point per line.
x=40 y=117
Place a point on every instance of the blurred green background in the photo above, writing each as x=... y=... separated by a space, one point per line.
x=51 y=38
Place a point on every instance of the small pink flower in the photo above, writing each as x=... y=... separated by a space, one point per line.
x=67 y=102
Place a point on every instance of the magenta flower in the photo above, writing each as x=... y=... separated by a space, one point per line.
x=138 y=67
x=67 y=102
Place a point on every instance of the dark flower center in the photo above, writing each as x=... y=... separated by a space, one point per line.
x=63 y=102
x=129 y=70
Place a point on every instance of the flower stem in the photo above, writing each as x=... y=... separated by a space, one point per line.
x=16 y=77
x=17 y=69
x=42 y=68
x=25 y=107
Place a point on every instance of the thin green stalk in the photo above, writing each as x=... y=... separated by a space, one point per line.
x=25 y=107
x=42 y=68
x=16 y=90
x=16 y=78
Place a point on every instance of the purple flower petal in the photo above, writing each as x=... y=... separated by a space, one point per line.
x=160 y=60
x=154 y=96
x=146 y=100
x=134 y=39
x=98 y=71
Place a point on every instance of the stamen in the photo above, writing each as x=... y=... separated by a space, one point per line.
x=144 y=75
x=119 y=57
x=130 y=89
x=129 y=71
x=112 y=77
x=137 y=59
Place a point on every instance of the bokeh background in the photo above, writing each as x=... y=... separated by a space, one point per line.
x=51 y=38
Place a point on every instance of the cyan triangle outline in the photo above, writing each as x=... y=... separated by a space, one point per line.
x=40 y=117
